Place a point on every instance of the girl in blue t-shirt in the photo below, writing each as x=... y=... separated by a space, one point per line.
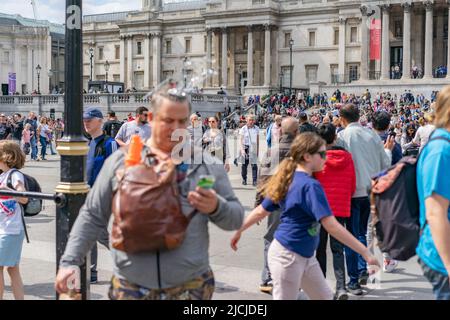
x=433 y=187
x=11 y=224
x=304 y=206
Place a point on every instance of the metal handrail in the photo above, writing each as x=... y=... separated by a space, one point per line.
x=58 y=198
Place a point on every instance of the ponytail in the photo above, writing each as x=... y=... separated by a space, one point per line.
x=277 y=186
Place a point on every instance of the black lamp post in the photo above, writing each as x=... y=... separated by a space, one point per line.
x=38 y=72
x=73 y=146
x=185 y=61
x=240 y=79
x=291 y=43
x=106 y=66
x=281 y=81
x=90 y=53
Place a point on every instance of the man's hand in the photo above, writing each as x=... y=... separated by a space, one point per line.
x=62 y=278
x=205 y=201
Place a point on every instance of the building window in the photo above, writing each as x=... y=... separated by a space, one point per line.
x=353 y=34
x=311 y=73
x=6 y=57
x=100 y=53
x=117 y=49
x=287 y=38
x=168 y=46
x=188 y=45
x=398 y=29
x=245 y=43
x=334 y=72
x=336 y=37
x=312 y=38
x=206 y=43
x=353 y=73
x=139 y=48
x=255 y=2
x=286 y=76
x=167 y=74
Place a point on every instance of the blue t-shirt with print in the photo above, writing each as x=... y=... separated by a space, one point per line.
x=302 y=209
x=433 y=176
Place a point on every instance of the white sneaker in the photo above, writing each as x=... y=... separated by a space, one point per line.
x=389 y=265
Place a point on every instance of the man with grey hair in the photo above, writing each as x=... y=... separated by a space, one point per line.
x=280 y=151
x=249 y=147
x=179 y=274
x=195 y=130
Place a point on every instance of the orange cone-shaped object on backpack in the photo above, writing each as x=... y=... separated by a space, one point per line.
x=134 y=152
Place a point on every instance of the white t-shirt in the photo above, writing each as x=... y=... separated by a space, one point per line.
x=10 y=211
x=250 y=135
x=423 y=135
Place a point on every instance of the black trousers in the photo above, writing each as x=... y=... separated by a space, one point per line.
x=245 y=166
x=337 y=249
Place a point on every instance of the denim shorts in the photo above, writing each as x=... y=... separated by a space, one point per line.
x=439 y=281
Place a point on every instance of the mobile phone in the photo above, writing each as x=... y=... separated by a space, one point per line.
x=206 y=182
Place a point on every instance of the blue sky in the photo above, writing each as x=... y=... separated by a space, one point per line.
x=53 y=10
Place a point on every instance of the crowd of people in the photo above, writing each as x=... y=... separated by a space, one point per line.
x=313 y=183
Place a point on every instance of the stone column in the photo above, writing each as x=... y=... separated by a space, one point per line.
x=130 y=72
x=122 y=59
x=209 y=80
x=156 y=58
x=224 y=57
x=385 y=46
x=267 y=47
x=147 y=71
x=406 y=40
x=250 y=57
x=364 y=44
x=30 y=73
x=448 y=40
x=428 y=70
x=342 y=33
x=18 y=65
x=439 y=43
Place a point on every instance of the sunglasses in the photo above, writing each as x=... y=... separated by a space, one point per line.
x=322 y=154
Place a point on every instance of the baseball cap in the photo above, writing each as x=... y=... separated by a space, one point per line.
x=92 y=113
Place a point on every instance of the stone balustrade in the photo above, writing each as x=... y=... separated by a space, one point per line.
x=122 y=104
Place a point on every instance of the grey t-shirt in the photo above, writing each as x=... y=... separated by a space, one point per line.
x=130 y=128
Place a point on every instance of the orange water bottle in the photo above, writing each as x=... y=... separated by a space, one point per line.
x=134 y=152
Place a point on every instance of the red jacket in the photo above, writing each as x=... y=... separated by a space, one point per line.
x=338 y=179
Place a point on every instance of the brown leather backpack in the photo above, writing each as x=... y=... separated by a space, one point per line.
x=147 y=209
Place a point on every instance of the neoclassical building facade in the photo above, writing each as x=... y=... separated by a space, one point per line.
x=26 y=44
x=252 y=45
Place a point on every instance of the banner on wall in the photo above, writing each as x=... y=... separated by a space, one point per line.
x=375 y=39
x=11 y=83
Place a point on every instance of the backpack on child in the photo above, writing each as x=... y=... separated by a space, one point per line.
x=395 y=208
x=34 y=206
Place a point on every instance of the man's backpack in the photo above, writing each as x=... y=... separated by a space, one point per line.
x=34 y=206
x=147 y=210
x=395 y=208
x=114 y=128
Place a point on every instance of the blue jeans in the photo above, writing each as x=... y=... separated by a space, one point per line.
x=43 y=141
x=34 y=148
x=439 y=281
x=357 y=226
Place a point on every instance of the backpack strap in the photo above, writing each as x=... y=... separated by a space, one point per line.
x=22 y=209
x=100 y=148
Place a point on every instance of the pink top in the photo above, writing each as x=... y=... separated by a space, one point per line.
x=26 y=136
